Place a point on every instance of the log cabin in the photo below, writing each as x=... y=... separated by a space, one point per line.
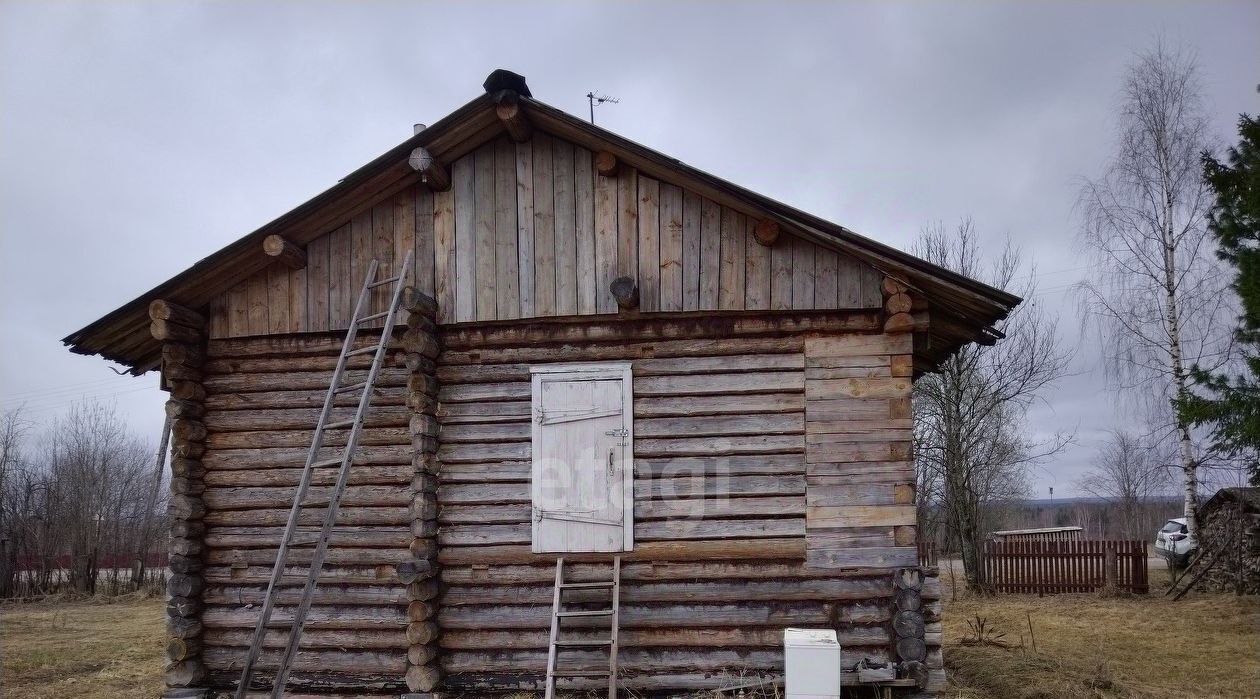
x=746 y=367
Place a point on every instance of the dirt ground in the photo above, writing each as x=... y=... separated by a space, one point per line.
x=1087 y=647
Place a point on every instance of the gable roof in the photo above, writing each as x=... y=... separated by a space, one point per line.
x=963 y=310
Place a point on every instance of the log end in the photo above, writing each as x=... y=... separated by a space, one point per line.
x=626 y=292
x=606 y=164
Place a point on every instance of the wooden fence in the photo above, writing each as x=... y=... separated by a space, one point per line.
x=1049 y=567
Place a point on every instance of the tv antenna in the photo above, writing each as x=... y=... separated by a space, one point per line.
x=595 y=98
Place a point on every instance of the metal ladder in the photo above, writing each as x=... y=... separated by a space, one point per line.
x=293 y=536
x=558 y=612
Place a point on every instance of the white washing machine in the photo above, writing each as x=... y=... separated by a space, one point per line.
x=811 y=664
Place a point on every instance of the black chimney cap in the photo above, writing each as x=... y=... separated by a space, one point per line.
x=503 y=79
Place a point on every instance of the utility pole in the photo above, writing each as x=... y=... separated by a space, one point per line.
x=595 y=98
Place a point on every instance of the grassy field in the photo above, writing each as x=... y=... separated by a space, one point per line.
x=1087 y=647
x=89 y=649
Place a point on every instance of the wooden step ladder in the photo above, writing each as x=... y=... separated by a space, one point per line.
x=558 y=643
x=295 y=536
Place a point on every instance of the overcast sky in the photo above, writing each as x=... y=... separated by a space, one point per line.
x=138 y=137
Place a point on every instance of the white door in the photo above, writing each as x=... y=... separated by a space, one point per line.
x=582 y=474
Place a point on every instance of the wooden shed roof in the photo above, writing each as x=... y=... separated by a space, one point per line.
x=963 y=309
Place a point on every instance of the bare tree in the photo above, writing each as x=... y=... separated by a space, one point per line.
x=1127 y=474
x=13 y=432
x=971 y=447
x=1154 y=290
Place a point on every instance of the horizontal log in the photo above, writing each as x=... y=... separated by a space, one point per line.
x=288 y=364
x=779 y=506
x=360 y=474
x=319 y=618
x=251 y=459
x=745 y=614
x=719 y=529
x=767 y=464
x=861 y=516
x=314 y=398
x=878 y=557
x=299 y=438
x=498 y=411
x=718 y=446
x=302 y=556
x=370 y=639
x=720 y=426
x=850 y=494
x=856 y=451
x=478 y=453
x=161 y=309
x=505 y=373
x=849 y=537
x=293 y=381
x=350 y=595
x=720 y=384
x=752 y=549
x=187 y=355
x=859 y=372
x=284 y=251
x=300 y=418
x=830 y=432
x=480 y=493
x=649 y=407
x=170 y=331
x=492 y=472
x=543 y=572
x=542 y=353
x=339 y=661
x=730 y=328
x=301 y=344
x=482 y=683
x=343 y=536
x=644 y=638
x=397 y=515
x=260 y=498
x=895 y=387
x=857 y=345
x=717 y=487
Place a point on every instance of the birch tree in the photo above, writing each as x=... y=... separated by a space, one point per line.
x=972 y=448
x=1154 y=290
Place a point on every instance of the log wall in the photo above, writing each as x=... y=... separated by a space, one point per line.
x=263 y=397
x=530 y=230
x=430 y=574
x=720 y=565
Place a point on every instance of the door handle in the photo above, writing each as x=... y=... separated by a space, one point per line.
x=611 y=469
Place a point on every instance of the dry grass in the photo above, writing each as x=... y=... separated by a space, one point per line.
x=1122 y=647
x=88 y=648
x=1087 y=647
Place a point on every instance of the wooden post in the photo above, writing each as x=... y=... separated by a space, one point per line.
x=287 y=253
x=420 y=349
x=183 y=354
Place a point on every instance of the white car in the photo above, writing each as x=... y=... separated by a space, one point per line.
x=1174 y=542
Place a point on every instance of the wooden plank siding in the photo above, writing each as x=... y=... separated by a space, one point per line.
x=529 y=230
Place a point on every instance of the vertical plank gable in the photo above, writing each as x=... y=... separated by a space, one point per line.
x=671 y=226
x=566 y=227
x=444 y=254
x=340 y=298
x=731 y=272
x=483 y=184
x=506 y=263
x=606 y=242
x=525 y=226
x=627 y=223
x=757 y=271
x=692 y=204
x=544 y=227
x=462 y=184
x=649 y=231
x=584 y=204
x=710 y=254
x=426 y=242
x=317 y=283
x=802 y=274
